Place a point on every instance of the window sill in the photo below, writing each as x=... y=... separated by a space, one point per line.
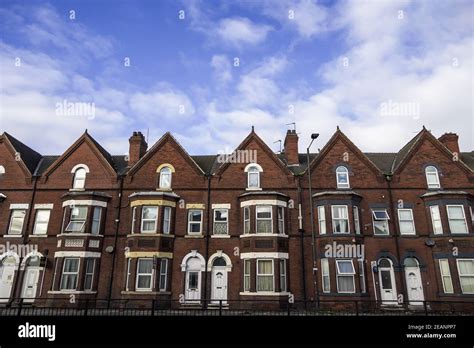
x=140 y=235
x=263 y=293
x=79 y=235
x=77 y=190
x=145 y=292
x=38 y=236
x=224 y=236
x=159 y=189
x=12 y=236
x=253 y=189
x=69 y=292
x=249 y=235
x=194 y=236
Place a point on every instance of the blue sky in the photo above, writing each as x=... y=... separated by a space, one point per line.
x=317 y=63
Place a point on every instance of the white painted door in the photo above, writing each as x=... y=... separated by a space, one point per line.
x=7 y=273
x=388 y=292
x=219 y=284
x=30 y=283
x=414 y=286
x=193 y=286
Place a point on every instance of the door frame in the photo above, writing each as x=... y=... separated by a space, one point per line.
x=214 y=272
x=416 y=270
x=393 y=301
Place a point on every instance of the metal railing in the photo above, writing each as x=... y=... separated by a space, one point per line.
x=154 y=307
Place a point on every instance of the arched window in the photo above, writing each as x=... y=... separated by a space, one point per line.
x=342 y=177
x=2 y=170
x=165 y=178
x=253 y=176
x=432 y=177
x=79 y=181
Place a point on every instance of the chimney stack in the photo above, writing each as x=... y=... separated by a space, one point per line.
x=138 y=147
x=291 y=148
x=450 y=140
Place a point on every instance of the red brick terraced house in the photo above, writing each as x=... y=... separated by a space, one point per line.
x=373 y=230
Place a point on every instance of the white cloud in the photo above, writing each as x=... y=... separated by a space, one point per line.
x=222 y=68
x=239 y=31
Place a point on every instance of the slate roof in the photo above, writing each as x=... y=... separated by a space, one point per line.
x=30 y=157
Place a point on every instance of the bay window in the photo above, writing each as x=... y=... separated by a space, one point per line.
x=283 y=275
x=466 y=275
x=264 y=219
x=457 y=219
x=326 y=280
x=340 y=219
x=264 y=275
x=70 y=274
x=149 y=219
x=144 y=274
x=163 y=274
x=322 y=219
x=89 y=273
x=345 y=276
x=166 y=220
x=96 y=219
x=78 y=219
x=356 y=219
x=436 y=220
x=246 y=220
x=281 y=220
x=446 y=276
x=247 y=275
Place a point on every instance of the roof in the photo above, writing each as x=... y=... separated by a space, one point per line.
x=30 y=157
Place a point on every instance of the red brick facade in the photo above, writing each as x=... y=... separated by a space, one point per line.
x=161 y=224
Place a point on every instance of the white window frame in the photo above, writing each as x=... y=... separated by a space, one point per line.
x=127 y=281
x=144 y=274
x=263 y=219
x=347 y=274
x=322 y=219
x=432 y=174
x=63 y=273
x=283 y=283
x=355 y=211
x=226 y=222
x=281 y=220
x=325 y=276
x=434 y=209
x=165 y=171
x=246 y=220
x=470 y=275
x=166 y=220
x=471 y=210
x=266 y=274
x=363 y=287
x=79 y=220
x=247 y=274
x=148 y=220
x=190 y=211
x=91 y=275
x=412 y=221
x=376 y=219
x=44 y=222
x=12 y=217
x=463 y=219
x=134 y=220
x=445 y=277
x=344 y=171
x=333 y=219
x=253 y=170
x=79 y=183
x=163 y=281
x=98 y=221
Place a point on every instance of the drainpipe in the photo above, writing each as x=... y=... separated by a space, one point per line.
x=117 y=224
x=301 y=231
x=397 y=231
x=209 y=211
x=20 y=276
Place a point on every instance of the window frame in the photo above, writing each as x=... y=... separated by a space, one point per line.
x=163 y=174
x=12 y=217
x=355 y=212
x=46 y=222
x=333 y=219
x=267 y=275
x=470 y=275
x=412 y=221
x=342 y=185
x=376 y=219
x=163 y=279
x=77 y=220
x=142 y=220
x=433 y=221
x=283 y=272
x=195 y=222
x=362 y=285
x=345 y=274
x=325 y=276
x=75 y=179
x=247 y=275
x=134 y=220
x=257 y=207
x=89 y=274
x=138 y=274
x=322 y=219
x=226 y=222
x=281 y=220
x=167 y=220
x=463 y=219
x=97 y=222
x=247 y=220
x=435 y=173
x=448 y=275
x=255 y=172
x=76 y=273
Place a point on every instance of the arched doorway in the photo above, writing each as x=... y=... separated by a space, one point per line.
x=31 y=277
x=193 y=265
x=8 y=266
x=219 y=280
x=388 y=290
x=414 y=283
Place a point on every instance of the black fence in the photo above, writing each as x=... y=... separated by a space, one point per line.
x=154 y=307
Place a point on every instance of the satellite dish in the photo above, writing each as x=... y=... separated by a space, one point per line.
x=430 y=242
x=109 y=249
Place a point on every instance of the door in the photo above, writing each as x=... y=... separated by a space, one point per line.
x=7 y=273
x=388 y=292
x=193 y=286
x=219 y=285
x=414 y=286
x=30 y=284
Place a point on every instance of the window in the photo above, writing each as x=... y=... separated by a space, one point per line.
x=466 y=275
x=340 y=219
x=342 y=177
x=380 y=219
x=362 y=276
x=446 y=276
x=345 y=276
x=89 y=274
x=471 y=210
x=41 y=221
x=432 y=178
x=127 y=281
x=436 y=220
x=79 y=180
x=264 y=275
x=253 y=177
x=2 y=170
x=246 y=220
x=149 y=219
x=134 y=219
x=163 y=274
x=165 y=178
x=78 y=220
x=322 y=219
x=246 y=275
x=70 y=274
x=96 y=215
x=325 y=275
x=144 y=274
x=355 y=210
x=17 y=220
x=281 y=220
x=166 y=220
x=195 y=221
x=221 y=221
x=283 y=275
x=264 y=219
x=457 y=219
x=406 y=222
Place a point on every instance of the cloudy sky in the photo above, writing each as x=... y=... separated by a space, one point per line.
x=207 y=71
